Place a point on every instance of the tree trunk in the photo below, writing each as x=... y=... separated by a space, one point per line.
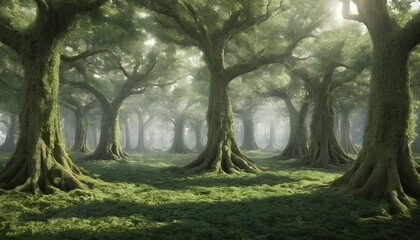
x=221 y=153
x=127 y=134
x=109 y=146
x=271 y=139
x=345 y=132
x=385 y=166
x=178 y=145
x=9 y=144
x=40 y=162
x=297 y=145
x=324 y=148
x=249 y=137
x=80 y=136
x=197 y=128
x=140 y=135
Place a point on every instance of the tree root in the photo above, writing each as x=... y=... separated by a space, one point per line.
x=221 y=159
x=384 y=174
x=322 y=158
x=44 y=171
x=109 y=153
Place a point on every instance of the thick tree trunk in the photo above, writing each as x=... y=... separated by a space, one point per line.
x=249 y=137
x=109 y=146
x=272 y=137
x=221 y=153
x=324 y=148
x=385 y=166
x=345 y=132
x=178 y=144
x=40 y=162
x=80 y=136
x=10 y=142
x=297 y=145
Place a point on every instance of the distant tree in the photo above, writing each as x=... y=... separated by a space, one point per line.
x=80 y=106
x=385 y=167
x=224 y=27
x=323 y=74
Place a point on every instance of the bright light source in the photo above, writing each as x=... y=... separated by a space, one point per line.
x=150 y=42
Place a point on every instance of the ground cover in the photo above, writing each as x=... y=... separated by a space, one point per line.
x=141 y=198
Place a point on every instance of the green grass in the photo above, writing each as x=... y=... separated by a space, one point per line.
x=145 y=201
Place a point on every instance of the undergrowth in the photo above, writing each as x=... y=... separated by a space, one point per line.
x=143 y=199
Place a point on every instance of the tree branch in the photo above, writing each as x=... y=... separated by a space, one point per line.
x=10 y=36
x=82 y=55
x=410 y=34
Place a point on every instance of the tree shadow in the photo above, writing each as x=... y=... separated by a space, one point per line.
x=323 y=214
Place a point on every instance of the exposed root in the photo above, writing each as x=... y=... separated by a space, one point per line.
x=221 y=158
x=384 y=173
x=322 y=158
x=292 y=151
x=112 y=152
x=44 y=171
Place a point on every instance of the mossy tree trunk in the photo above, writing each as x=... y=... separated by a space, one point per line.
x=297 y=144
x=385 y=167
x=178 y=144
x=345 y=131
x=127 y=134
x=324 y=148
x=221 y=153
x=249 y=142
x=40 y=163
x=10 y=142
x=197 y=125
x=109 y=145
x=80 y=137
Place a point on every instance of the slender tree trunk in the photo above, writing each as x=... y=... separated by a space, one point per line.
x=249 y=137
x=81 y=132
x=385 y=166
x=127 y=135
x=40 y=162
x=178 y=144
x=109 y=146
x=297 y=145
x=10 y=142
x=197 y=128
x=140 y=135
x=324 y=148
x=221 y=153
x=272 y=137
x=345 y=129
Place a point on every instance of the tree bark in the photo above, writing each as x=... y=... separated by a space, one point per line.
x=140 y=147
x=385 y=167
x=178 y=144
x=109 y=146
x=249 y=137
x=221 y=153
x=324 y=148
x=127 y=134
x=40 y=162
x=9 y=143
x=80 y=136
x=198 y=125
x=272 y=137
x=345 y=132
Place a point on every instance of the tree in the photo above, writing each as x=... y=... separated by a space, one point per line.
x=80 y=108
x=216 y=30
x=40 y=162
x=328 y=59
x=385 y=167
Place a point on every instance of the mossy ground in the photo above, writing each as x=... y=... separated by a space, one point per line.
x=144 y=200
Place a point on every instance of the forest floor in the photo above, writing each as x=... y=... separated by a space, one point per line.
x=143 y=200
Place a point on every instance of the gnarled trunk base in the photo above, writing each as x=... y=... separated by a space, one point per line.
x=384 y=172
x=46 y=170
x=221 y=158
